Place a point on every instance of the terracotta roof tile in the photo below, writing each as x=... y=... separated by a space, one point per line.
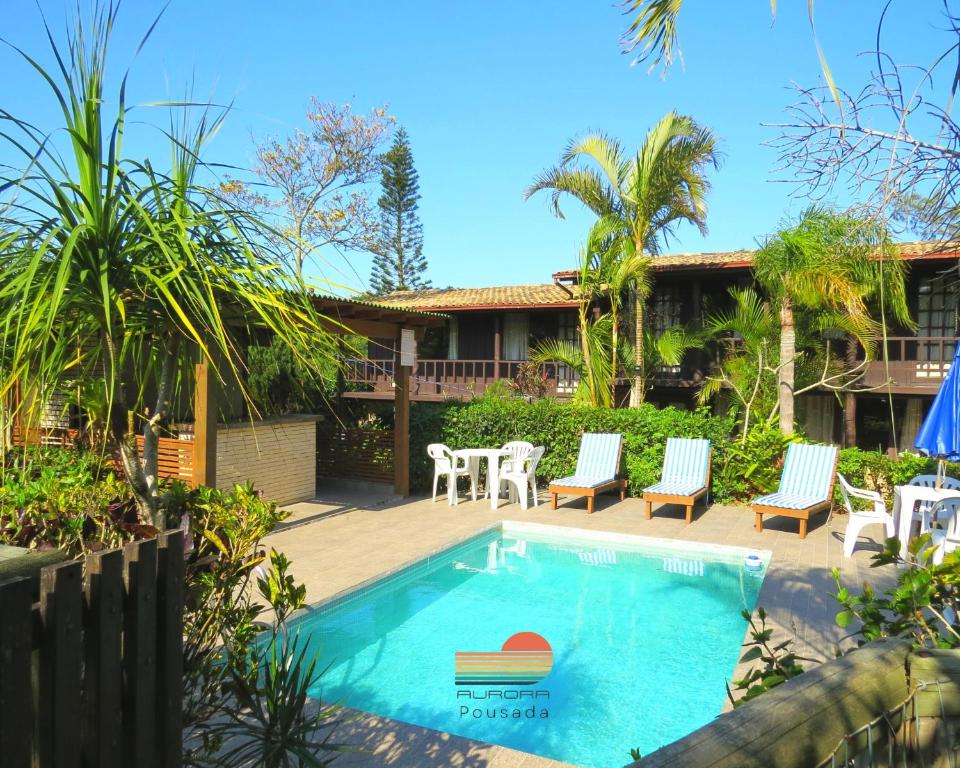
x=507 y=296
x=552 y=295
x=744 y=257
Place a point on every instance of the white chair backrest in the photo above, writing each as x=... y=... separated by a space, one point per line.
x=519 y=449
x=441 y=455
x=929 y=481
x=534 y=459
x=948 y=512
x=847 y=491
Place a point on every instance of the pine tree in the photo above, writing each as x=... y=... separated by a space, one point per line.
x=399 y=263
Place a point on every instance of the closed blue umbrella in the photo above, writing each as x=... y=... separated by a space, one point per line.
x=940 y=433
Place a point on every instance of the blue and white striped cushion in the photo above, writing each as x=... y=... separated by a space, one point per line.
x=599 y=457
x=675 y=487
x=787 y=500
x=808 y=471
x=686 y=459
x=579 y=481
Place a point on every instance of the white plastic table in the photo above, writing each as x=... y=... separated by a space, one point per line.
x=493 y=456
x=905 y=500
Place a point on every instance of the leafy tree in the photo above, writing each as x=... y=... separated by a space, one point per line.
x=399 y=263
x=647 y=195
x=280 y=384
x=113 y=269
x=311 y=184
x=832 y=263
x=892 y=141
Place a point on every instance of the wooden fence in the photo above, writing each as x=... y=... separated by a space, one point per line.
x=91 y=674
x=175 y=457
x=355 y=454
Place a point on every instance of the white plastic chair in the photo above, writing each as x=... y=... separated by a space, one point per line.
x=519 y=450
x=445 y=464
x=924 y=508
x=523 y=476
x=858 y=519
x=946 y=539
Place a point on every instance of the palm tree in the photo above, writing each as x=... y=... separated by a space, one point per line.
x=747 y=335
x=647 y=195
x=591 y=360
x=143 y=271
x=834 y=264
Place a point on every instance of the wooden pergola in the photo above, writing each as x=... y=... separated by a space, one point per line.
x=374 y=321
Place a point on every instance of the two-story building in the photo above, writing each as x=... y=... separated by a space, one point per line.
x=491 y=330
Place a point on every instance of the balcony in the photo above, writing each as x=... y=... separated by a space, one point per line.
x=913 y=364
x=447 y=379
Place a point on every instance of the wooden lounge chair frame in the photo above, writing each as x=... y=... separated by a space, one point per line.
x=672 y=498
x=803 y=515
x=591 y=493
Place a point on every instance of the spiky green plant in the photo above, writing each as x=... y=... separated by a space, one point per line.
x=112 y=268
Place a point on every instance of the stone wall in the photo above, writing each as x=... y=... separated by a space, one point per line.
x=278 y=455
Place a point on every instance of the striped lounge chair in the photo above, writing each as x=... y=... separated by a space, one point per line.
x=598 y=467
x=806 y=485
x=685 y=476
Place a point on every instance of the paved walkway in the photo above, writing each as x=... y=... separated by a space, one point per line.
x=350 y=536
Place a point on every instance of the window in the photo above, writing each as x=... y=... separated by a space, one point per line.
x=936 y=314
x=666 y=309
x=567 y=331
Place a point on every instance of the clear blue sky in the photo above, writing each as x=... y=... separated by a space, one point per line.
x=489 y=93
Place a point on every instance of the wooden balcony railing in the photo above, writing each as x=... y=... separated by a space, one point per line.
x=911 y=363
x=438 y=379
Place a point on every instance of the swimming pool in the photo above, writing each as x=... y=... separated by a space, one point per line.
x=614 y=641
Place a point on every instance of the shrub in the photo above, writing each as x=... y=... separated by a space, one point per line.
x=65 y=499
x=879 y=472
x=558 y=426
x=923 y=606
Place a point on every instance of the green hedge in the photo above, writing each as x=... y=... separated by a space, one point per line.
x=741 y=469
x=557 y=426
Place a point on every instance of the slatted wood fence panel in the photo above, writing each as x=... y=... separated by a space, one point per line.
x=91 y=675
x=355 y=454
x=174 y=456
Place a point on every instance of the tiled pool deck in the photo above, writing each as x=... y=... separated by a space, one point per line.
x=349 y=536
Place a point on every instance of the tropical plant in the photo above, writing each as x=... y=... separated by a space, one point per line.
x=667 y=349
x=246 y=683
x=643 y=198
x=530 y=380
x=140 y=270
x=923 y=606
x=835 y=263
x=777 y=662
x=746 y=334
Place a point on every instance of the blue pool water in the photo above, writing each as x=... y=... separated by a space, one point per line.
x=643 y=639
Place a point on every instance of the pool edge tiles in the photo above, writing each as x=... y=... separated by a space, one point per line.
x=724 y=553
